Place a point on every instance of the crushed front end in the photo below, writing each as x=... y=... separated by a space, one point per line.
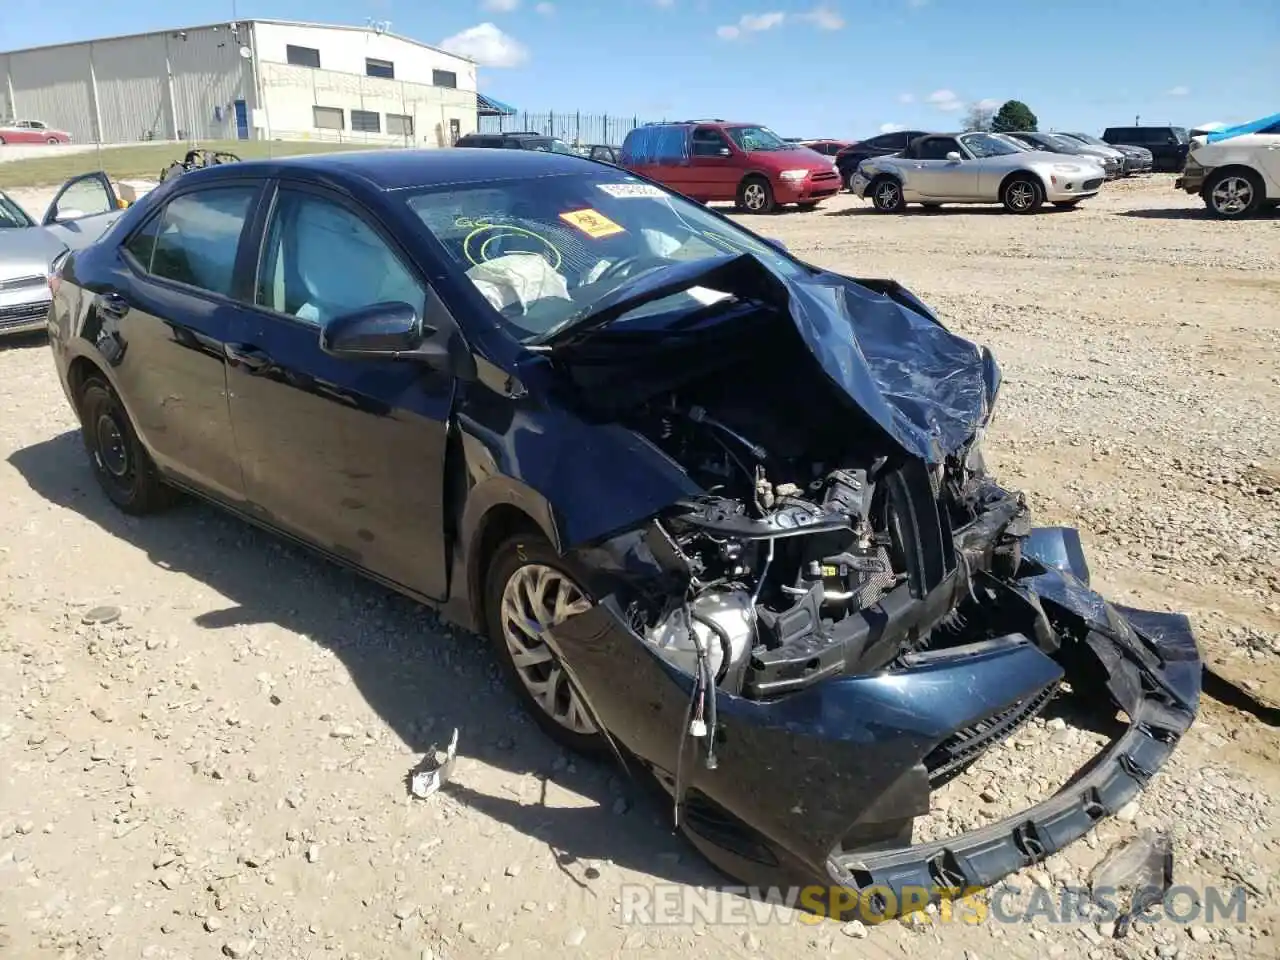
x=844 y=620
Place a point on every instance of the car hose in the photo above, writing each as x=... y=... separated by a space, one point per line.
x=684 y=739
x=708 y=679
x=726 y=645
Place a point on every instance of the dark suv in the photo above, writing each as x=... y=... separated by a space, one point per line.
x=513 y=140
x=1168 y=145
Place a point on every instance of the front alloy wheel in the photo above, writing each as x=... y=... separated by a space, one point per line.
x=535 y=599
x=1023 y=195
x=1232 y=196
x=886 y=196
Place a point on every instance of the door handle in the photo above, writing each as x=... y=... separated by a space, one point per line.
x=247 y=356
x=112 y=304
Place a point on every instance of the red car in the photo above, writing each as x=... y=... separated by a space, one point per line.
x=31 y=131
x=711 y=160
x=828 y=148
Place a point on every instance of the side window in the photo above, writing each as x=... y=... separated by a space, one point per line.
x=937 y=148
x=83 y=198
x=321 y=261
x=197 y=236
x=142 y=245
x=708 y=142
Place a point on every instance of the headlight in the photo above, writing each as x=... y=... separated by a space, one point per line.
x=793 y=174
x=1066 y=168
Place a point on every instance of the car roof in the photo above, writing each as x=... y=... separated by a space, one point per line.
x=399 y=169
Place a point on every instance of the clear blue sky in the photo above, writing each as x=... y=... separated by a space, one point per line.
x=838 y=68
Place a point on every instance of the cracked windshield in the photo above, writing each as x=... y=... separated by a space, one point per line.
x=544 y=253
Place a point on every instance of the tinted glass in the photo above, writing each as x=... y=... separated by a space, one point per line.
x=199 y=234
x=708 y=142
x=545 y=250
x=321 y=261
x=937 y=148
x=12 y=215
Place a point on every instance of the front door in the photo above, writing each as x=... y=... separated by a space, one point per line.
x=937 y=177
x=713 y=172
x=347 y=454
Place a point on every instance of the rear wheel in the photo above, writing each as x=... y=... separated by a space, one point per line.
x=121 y=464
x=530 y=589
x=756 y=196
x=1022 y=194
x=886 y=195
x=1234 y=194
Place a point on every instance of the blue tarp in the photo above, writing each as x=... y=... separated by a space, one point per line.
x=489 y=107
x=656 y=143
x=1241 y=129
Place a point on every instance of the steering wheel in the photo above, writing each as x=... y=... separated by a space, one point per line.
x=631 y=266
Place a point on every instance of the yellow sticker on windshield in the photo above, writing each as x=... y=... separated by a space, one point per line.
x=593 y=224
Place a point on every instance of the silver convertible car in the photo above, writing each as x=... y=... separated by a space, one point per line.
x=975 y=168
x=79 y=214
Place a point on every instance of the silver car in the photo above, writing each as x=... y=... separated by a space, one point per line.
x=80 y=213
x=975 y=168
x=1111 y=159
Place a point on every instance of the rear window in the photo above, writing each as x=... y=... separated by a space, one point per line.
x=661 y=144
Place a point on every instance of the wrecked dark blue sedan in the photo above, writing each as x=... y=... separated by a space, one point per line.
x=723 y=514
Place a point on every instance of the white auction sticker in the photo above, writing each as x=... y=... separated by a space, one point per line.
x=625 y=191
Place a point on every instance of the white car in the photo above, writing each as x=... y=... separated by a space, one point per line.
x=1236 y=170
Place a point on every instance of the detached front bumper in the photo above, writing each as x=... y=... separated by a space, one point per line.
x=824 y=784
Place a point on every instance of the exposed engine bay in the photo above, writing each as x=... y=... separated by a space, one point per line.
x=790 y=560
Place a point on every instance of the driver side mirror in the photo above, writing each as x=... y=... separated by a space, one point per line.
x=954 y=157
x=383 y=330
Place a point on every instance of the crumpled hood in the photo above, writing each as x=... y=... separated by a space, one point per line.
x=927 y=388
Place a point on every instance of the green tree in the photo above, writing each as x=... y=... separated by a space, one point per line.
x=1014 y=115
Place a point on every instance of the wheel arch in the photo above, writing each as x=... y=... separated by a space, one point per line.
x=496 y=510
x=1229 y=168
x=1022 y=172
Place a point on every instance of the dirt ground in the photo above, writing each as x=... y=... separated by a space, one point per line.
x=220 y=771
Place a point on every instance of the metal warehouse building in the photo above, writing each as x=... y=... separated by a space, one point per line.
x=252 y=79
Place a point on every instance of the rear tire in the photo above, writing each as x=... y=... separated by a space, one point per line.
x=755 y=195
x=528 y=589
x=1022 y=194
x=120 y=462
x=1234 y=194
x=886 y=195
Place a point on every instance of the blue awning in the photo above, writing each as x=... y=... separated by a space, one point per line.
x=489 y=107
x=1243 y=128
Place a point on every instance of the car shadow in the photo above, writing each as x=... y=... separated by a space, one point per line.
x=1185 y=213
x=953 y=210
x=24 y=341
x=421 y=676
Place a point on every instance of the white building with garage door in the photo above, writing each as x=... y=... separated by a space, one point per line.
x=252 y=79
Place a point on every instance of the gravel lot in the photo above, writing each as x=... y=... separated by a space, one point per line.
x=220 y=771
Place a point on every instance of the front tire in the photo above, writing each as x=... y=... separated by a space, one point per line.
x=1234 y=194
x=530 y=589
x=120 y=462
x=1022 y=194
x=886 y=195
x=755 y=195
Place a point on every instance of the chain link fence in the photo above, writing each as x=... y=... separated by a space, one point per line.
x=571 y=126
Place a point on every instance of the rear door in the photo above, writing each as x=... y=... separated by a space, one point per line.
x=346 y=454
x=82 y=210
x=167 y=307
x=714 y=166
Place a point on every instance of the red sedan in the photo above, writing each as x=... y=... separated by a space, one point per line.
x=31 y=131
